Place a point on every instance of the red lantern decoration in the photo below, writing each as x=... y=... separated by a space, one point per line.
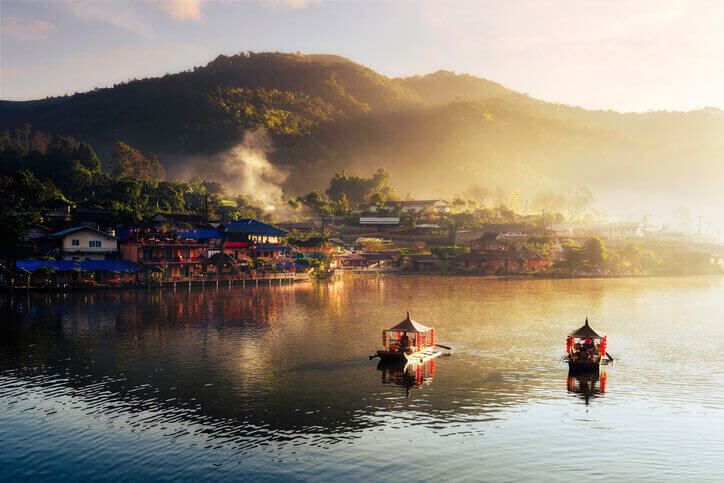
x=432 y=337
x=603 y=346
x=418 y=340
x=569 y=344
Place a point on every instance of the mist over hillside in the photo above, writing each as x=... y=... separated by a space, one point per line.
x=438 y=134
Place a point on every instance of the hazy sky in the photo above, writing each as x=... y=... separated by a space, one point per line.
x=624 y=55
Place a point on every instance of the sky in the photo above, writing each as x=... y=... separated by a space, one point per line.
x=624 y=55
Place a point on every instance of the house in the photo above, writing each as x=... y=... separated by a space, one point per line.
x=499 y=228
x=488 y=241
x=612 y=231
x=464 y=236
x=379 y=221
x=420 y=263
x=503 y=260
x=472 y=260
x=251 y=239
x=57 y=211
x=561 y=230
x=36 y=232
x=315 y=244
x=418 y=206
x=535 y=262
x=80 y=243
x=176 y=253
x=516 y=261
x=353 y=260
x=411 y=206
x=430 y=229
x=378 y=260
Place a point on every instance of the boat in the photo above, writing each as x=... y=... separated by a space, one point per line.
x=408 y=341
x=586 y=350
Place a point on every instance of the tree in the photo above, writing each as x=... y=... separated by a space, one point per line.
x=595 y=252
x=129 y=162
x=317 y=201
x=383 y=185
x=342 y=205
x=573 y=256
x=448 y=252
x=294 y=203
x=88 y=157
x=543 y=246
x=22 y=200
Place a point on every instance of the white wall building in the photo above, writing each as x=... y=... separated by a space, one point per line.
x=85 y=243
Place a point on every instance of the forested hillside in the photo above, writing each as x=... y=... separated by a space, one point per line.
x=437 y=134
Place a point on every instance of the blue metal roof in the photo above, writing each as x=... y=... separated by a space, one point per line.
x=68 y=265
x=198 y=233
x=247 y=226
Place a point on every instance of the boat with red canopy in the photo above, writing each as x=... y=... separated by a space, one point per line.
x=408 y=340
x=586 y=350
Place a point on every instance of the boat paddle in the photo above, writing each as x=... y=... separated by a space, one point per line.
x=443 y=347
x=376 y=355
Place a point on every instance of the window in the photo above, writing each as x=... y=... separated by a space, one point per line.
x=94 y=243
x=75 y=243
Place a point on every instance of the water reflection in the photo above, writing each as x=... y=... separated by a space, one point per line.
x=587 y=385
x=407 y=375
x=284 y=370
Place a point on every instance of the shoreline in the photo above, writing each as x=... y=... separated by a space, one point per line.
x=271 y=281
x=262 y=281
x=532 y=276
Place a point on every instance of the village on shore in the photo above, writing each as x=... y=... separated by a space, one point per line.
x=69 y=222
x=176 y=248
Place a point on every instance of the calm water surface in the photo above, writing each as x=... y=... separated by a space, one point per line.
x=275 y=383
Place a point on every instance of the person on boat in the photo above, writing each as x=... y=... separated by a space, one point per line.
x=404 y=341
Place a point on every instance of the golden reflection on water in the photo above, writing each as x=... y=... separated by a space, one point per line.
x=293 y=360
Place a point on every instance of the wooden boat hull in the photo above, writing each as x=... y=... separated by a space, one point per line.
x=391 y=356
x=416 y=357
x=422 y=356
x=583 y=367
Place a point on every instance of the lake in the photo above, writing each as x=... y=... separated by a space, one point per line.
x=275 y=382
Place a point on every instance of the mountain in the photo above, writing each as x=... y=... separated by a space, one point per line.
x=438 y=134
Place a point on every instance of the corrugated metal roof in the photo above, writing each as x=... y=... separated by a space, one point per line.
x=252 y=227
x=74 y=229
x=198 y=233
